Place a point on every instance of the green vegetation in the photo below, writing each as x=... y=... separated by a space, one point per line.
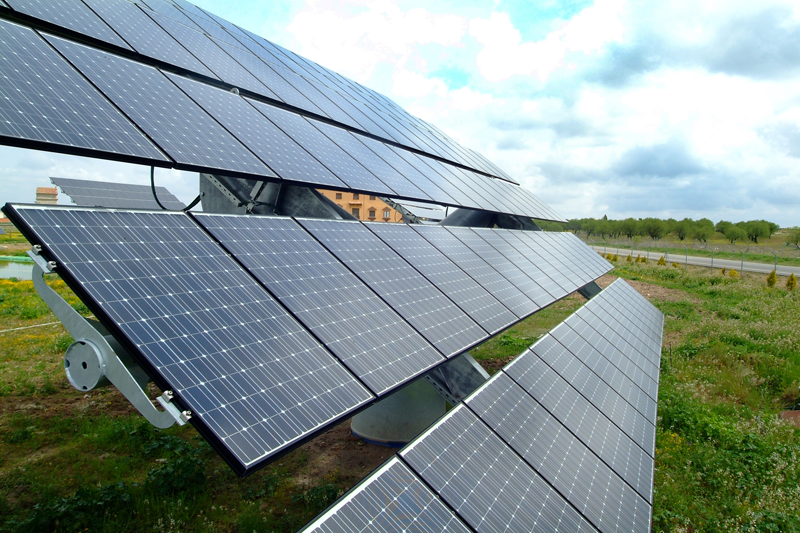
x=71 y=461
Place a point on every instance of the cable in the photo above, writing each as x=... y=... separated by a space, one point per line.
x=155 y=196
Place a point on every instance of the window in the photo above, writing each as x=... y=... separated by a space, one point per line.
x=371 y=196
x=387 y=213
x=338 y=196
x=372 y=213
x=355 y=196
x=357 y=213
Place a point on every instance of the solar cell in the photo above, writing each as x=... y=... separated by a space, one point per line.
x=615 y=447
x=284 y=156
x=574 y=470
x=43 y=99
x=486 y=482
x=442 y=181
x=203 y=48
x=532 y=246
x=186 y=132
x=478 y=269
x=323 y=149
x=503 y=264
x=405 y=290
x=144 y=35
x=392 y=499
x=484 y=308
x=395 y=181
x=255 y=380
x=71 y=14
x=170 y=10
x=371 y=339
x=89 y=193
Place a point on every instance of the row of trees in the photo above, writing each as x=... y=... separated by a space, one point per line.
x=657 y=228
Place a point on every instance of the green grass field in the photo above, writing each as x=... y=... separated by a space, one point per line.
x=71 y=461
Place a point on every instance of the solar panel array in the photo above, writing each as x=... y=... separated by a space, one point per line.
x=90 y=193
x=288 y=118
x=270 y=329
x=526 y=451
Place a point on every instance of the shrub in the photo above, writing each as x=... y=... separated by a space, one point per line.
x=615 y=258
x=662 y=262
x=791 y=283
x=772 y=279
x=675 y=265
x=734 y=274
x=629 y=259
x=723 y=271
x=609 y=257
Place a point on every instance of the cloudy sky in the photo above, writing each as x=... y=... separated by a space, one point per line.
x=609 y=107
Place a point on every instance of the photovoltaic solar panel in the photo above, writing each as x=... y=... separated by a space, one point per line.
x=512 y=272
x=429 y=311
x=284 y=156
x=393 y=498
x=371 y=339
x=89 y=193
x=71 y=14
x=478 y=269
x=211 y=55
x=535 y=249
x=186 y=132
x=574 y=470
x=311 y=139
x=254 y=379
x=144 y=35
x=424 y=162
x=394 y=180
x=42 y=98
x=593 y=428
x=486 y=482
x=481 y=306
x=170 y=10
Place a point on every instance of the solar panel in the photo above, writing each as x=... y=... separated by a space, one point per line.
x=70 y=14
x=503 y=264
x=574 y=470
x=442 y=182
x=532 y=246
x=2 y=231
x=203 y=48
x=284 y=156
x=43 y=99
x=254 y=379
x=479 y=304
x=610 y=442
x=170 y=10
x=391 y=499
x=89 y=193
x=322 y=148
x=168 y=116
x=394 y=180
x=371 y=339
x=424 y=307
x=144 y=35
x=428 y=212
x=478 y=269
x=486 y=482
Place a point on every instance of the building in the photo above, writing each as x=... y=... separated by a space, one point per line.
x=366 y=207
x=47 y=195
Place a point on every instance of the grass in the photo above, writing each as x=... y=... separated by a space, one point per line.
x=724 y=461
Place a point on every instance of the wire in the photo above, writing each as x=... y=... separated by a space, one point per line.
x=155 y=196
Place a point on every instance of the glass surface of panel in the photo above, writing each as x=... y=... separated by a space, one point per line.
x=370 y=338
x=255 y=380
x=186 y=132
x=485 y=481
x=144 y=35
x=42 y=98
x=405 y=290
x=393 y=499
x=88 y=193
x=72 y=14
x=479 y=304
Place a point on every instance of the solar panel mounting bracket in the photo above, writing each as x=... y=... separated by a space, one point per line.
x=90 y=361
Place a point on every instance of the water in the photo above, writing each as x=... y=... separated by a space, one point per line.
x=10 y=269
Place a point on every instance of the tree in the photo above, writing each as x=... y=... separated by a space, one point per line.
x=574 y=225
x=683 y=228
x=771 y=279
x=654 y=228
x=721 y=225
x=791 y=283
x=734 y=233
x=756 y=229
x=629 y=227
x=703 y=230
x=773 y=227
x=794 y=237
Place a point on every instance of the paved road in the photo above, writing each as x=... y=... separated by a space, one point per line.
x=764 y=268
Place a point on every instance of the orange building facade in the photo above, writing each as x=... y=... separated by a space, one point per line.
x=366 y=207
